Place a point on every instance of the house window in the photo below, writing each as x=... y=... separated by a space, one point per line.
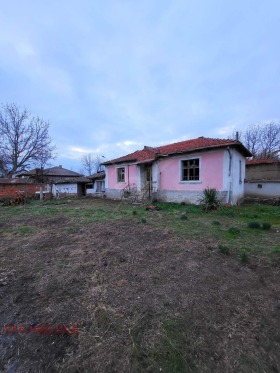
x=121 y=175
x=190 y=170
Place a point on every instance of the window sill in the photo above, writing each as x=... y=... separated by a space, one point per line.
x=190 y=182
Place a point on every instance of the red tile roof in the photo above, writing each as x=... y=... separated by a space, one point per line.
x=15 y=181
x=261 y=161
x=70 y=180
x=201 y=143
x=53 y=171
x=97 y=175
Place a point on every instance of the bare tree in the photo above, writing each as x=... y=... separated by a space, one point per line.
x=263 y=141
x=92 y=163
x=24 y=140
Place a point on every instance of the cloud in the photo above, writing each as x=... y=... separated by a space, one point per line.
x=114 y=76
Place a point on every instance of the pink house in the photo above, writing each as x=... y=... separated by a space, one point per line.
x=181 y=171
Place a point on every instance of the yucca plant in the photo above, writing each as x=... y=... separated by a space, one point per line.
x=210 y=200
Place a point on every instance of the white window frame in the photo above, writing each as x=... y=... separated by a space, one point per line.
x=198 y=181
x=124 y=174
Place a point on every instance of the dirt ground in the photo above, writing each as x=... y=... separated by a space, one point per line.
x=144 y=300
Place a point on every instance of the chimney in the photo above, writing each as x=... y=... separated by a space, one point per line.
x=237 y=136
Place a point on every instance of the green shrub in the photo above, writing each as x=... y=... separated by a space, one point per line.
x=224 y=249
x=210 y=200
x=266 y=226
x=143 y=220
x=134 y=212
x=244 y=257
x=184 y=217
x=254 y=225
x=215 y=222
x=234 y=230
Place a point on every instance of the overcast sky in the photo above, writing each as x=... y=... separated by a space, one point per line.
x=114 y=75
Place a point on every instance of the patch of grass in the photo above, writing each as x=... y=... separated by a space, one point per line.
x=143 y=220
x=46 y=211
x=227 y=211
x=134 y=212
x=193 y=209
x=87 y=211
x=254 y=225
x=69 y=229
x=174 y=353
x=215 y=222
x=170 y=207
x=248 y=215
x=234 y=231
x=174 y=360
x=224 y=249
x=184 y=217
x=276 y=250
x=266 y=226
x=23 y=230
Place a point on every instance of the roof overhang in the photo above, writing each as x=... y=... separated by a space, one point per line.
x=244 y=151
x=146 y=161
x=110 y=163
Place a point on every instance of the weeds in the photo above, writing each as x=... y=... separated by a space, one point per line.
x=23 y=230
x=229 y=212
x=224 y=249
x=257 y=225
x=254 y=225
x=184 y=217
x=276 y=250
x=175 y=350
x=266 y=226
x=234 y=231
x=244 y=257
x=193 y=209
x=215 y=222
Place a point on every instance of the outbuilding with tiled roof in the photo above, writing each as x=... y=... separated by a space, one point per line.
x=262 y=178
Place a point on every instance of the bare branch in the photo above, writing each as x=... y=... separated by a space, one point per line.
x=263 y=140
x=24 y=140
x=91 y=163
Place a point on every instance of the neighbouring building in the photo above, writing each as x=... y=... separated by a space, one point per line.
x=180 y=172
x=97 y=185
x=11 y=187
x=262 y=178
x=62 y=182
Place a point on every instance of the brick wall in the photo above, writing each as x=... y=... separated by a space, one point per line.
x=11 y=190
x=263 y=171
